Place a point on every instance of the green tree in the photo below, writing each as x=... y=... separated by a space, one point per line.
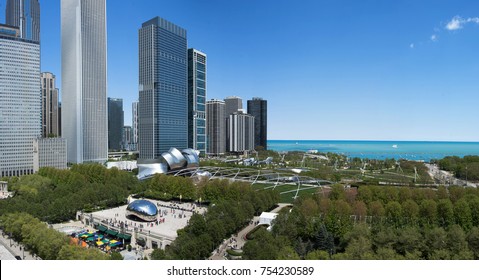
x=445 y=213
x=462 y=214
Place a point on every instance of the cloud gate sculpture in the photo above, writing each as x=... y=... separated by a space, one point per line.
x=142 y=209
x=169 y=161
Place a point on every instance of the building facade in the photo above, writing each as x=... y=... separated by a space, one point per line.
x=216 y=127
x=84 y=73
x=258 y=108
x=134 y=126
x=240 y=132
x=197 y=100
x=163 y=83
x=24 y=14
x=50 y=152
x=127 y=143
x=20 y=102
x=233 y=104
x=115 y=124
x=50 y=126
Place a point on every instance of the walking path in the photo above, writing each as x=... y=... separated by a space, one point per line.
x=15 y=248
x=239 y=240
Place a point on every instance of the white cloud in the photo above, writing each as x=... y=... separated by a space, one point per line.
x=458 y=22
x=434 y=37
x=411 y=46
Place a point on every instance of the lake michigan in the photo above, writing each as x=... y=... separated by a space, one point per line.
x=410 y=150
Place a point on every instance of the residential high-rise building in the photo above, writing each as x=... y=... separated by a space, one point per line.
x=84 y=92
x=163 y=82
x=258 y=108
x=134 y=126
x=240 y=132
x=50 y=125
x=197 y=100
x=20 y=101
x=115 y=123
x=24 y=14
x=127 y=138
x=233 y=104
x=216 y=127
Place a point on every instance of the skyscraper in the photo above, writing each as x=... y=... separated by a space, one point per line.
x=197 y=100
x=49 y=105
x=240 y=132
x=24 y=14
x=115 y=123
x=20 y=101
x=163 y=78
x=134 y=126
x=84 y=119
x=216 y=127
x=258 y=108
x=233 y=104
x=127 y=138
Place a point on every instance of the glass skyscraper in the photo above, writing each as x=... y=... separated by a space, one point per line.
x=163 y=83
x=115 y=123
x=197 y=100
x=84 y=96
x=24 y=14
x=258 y=108
x=49 y=105
x=20 y=102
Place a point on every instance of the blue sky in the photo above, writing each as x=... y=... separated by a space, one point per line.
x=360 y=70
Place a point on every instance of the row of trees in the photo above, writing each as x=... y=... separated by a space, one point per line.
x=43 y=241
x=466 y=168
x=376 y=223
x=55 y=195
x=233 y=206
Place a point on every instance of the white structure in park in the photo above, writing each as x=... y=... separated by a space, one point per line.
x=267 y=218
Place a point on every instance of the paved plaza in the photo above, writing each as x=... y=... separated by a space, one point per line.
x=171 y=217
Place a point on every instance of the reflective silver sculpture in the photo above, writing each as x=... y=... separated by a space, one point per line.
x=169 y=161
x=142 y=209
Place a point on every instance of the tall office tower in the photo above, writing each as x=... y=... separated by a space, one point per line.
x=127 y=138
x=85 y=116
x=163 y=77
x=216 y=127
x=20 y=101
x=240 y=132
x=115 y=123
x=197 y=100
x=233 y=104
x=258 y=108
x=134 y=125
x=49 y=105
x=24 y=14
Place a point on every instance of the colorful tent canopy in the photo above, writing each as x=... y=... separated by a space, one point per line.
x=99 y=243
x=124 y=236
x=102 y=228
x=112 y=232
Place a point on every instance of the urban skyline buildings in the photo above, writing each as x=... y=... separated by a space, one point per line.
x=233 y=104
x=239 y=132
x=197 y=100
x=24 y=14
x=20 y=102
x=115 y=124
x=216 y=127
x=134 y=125
x=50 y=122
x=163 y=83
x=84 y=74
x=258 y=108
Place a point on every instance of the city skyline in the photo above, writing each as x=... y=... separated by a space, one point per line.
x=375 y=76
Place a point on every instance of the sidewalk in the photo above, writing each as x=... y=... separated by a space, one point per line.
x=14 y=249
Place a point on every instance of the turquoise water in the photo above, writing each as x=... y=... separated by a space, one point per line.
x=409 y=150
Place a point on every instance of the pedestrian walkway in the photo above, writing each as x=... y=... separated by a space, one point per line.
x=239 y=240
x=15 y=248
